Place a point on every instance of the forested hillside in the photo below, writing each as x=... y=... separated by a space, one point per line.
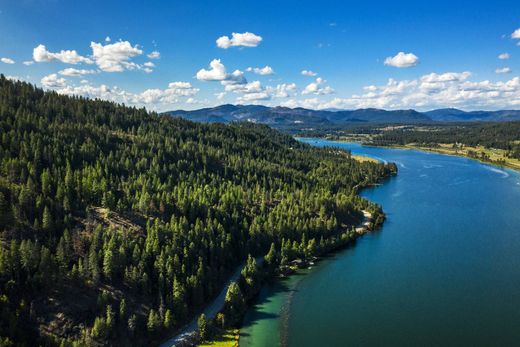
x=117 y=223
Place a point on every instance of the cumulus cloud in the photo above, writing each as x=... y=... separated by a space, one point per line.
x=309 y=73
x=154 y=55
x=246 y=39
x=76 y=72
x=115 y=57
x=516 y=34
x=318 y=88
x=253 y=97
x=253 y=92
x=7 y=60
x=53 y=81
x=451 y=89
x=503 y=56
x=176 y=92
x=503 y=70
x=402 y=60
x=217 y=72
x=282 y=90
x=266 y=70
x=41 y=54
x=28 y=62
x=251 y=87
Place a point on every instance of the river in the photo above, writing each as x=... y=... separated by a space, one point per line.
x=444 y=270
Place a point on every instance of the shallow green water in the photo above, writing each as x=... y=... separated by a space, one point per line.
x=443 y=271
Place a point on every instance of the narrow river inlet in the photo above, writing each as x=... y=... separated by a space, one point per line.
x=444 y=270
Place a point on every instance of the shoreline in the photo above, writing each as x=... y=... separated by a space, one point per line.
x=188 y=331
x=429 y=150
x=363 y=227
x=462 y=155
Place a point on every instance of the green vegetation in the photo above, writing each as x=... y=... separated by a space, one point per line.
x=117 y=225
x=223 y=338
x=495 y=143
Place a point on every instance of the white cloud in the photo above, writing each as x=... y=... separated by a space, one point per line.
x=115 y=57
x=251 y=87
x=266 y=70
x=246 y=39
x=176 y=92
x=402 y=60
x=7 y=60
x=445 y=77
x=108 y=39
x=317 y=87
x=252 y=97
x=154 y=55
x=76 y=72
x=309 y=73
x=28 y=62
x=221 y=95
x=452 y=89
x=217 y=72
x=503 y=56
x=149 y=64
x=41 y=54
x=254 y=91
x=516 y=34
x=282 y=90
x=503 y=70
x=53 y=81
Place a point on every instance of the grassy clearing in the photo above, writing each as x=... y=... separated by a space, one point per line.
x=227 y=338
x=362 y=159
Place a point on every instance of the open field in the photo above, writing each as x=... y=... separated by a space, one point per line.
x=228 y=338
x=362 y=159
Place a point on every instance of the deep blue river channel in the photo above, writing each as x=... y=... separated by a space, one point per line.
x=444 y=270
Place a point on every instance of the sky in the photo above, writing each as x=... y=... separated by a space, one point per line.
x=324 y=54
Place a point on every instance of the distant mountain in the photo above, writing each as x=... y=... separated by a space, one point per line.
x=456 y=115
x=284 y=116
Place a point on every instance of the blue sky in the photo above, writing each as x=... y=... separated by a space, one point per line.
x=450 y=52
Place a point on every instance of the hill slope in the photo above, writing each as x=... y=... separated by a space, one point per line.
x=116 y=224
x=455 y=115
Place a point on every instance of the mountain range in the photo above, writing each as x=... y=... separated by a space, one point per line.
x=284 y=116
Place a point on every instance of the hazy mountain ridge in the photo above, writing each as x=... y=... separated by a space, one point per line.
x=284 y=116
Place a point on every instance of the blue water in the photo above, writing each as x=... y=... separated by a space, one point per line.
x=443 y=271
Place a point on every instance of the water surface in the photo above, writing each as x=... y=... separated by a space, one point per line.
x=443 y=271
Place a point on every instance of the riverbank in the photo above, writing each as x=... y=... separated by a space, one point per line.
x=297 y=267
x=484 y=155
x=492 y=156
x=230 y=337
x=189 y=331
